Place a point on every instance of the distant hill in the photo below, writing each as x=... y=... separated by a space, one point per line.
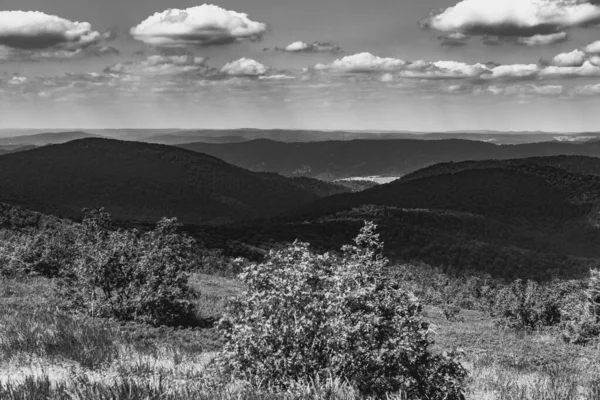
x=15 y=149
x=144 y=182
x=333 y=160
x=42 y=139
x=193 y=136
x=532 y=218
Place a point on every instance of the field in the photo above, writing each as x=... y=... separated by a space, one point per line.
x=48 y=355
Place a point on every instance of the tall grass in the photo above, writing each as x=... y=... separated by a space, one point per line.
x=34 y=388
x=55 y=336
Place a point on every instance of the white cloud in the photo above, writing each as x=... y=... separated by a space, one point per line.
x=529 y=89
x=297 y=46
x=32 y=30
x=363 y=62
x=593 y=48
x=587 y=69
x=589 y=90
x=513 y=17
x=162 y=65
x=543 y=40
x=575 y=58
x=17 y=80
x=387 y=77
x=443 y=70
x=513 y=71
x=315 y=47
x=244 y=67
x=453 y=39
x=201 y=25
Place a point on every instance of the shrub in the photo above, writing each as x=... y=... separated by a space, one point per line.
x=526 y=305
x=41 y=253
x=130 y=275
x=309 y=316
x=585 y=326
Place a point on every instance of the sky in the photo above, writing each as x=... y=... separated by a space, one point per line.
x=405 y=65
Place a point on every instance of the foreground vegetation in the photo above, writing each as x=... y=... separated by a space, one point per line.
x=465 y=336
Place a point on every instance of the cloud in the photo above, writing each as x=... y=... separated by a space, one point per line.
x=543 y=40
x=363 y=62
x=593 y=48
x=36 y=36
x=513 y=71
x=315 y=47
x=163 y=65
x=244 y=67
x=443 y=70
x=525 y=90
x=454 y=39
x=14 y=55
x=587 y=69
x=575 y=58
x=197 y=26
x=34 y=30
x=587 y=90
x=515 y=18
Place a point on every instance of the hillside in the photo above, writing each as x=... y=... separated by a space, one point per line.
x=332 y=160
x=42 y=139
x=517 y=218
x=144 y=182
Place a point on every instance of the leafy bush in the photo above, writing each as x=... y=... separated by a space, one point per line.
x=526 y=305
x=130 y=275
x=308 y=316
x=41 y=253
x=585 y=326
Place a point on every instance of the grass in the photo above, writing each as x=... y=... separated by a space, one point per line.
x=48 y=355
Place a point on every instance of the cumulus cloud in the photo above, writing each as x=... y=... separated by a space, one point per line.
x=244 y=67
x=32 y=30
x=363 y=62
x=587 y=69
x=36 y=36
x=454 y=39
x=516 y=18
x=201 y=25
x=315 y=47
x=529 y=89
x=513 y=71
x=443 y=70
x=575 y=58
x=543 y=40
x=593 y=48
x=163 y=65
x=588 y=90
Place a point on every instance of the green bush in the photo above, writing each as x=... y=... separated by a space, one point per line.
x=584 y=327
x=526 y=305
x=309 y=316
x=129 y=275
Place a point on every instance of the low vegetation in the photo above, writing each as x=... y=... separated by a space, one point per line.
x=91 y=311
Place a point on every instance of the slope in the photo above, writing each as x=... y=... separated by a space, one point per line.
x=333 y=160
x=144 y=182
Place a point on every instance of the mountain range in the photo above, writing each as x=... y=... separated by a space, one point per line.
x=535 y=218
x=144 y=182
x=334 y=160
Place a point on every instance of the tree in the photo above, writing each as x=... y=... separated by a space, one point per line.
x=307 y=315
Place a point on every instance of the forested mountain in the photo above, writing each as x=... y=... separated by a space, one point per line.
x=333 y=160
x=144 y=182
x=516 y=218
x=42 y=139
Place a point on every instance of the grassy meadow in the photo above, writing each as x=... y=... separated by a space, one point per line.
x=45 y=354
